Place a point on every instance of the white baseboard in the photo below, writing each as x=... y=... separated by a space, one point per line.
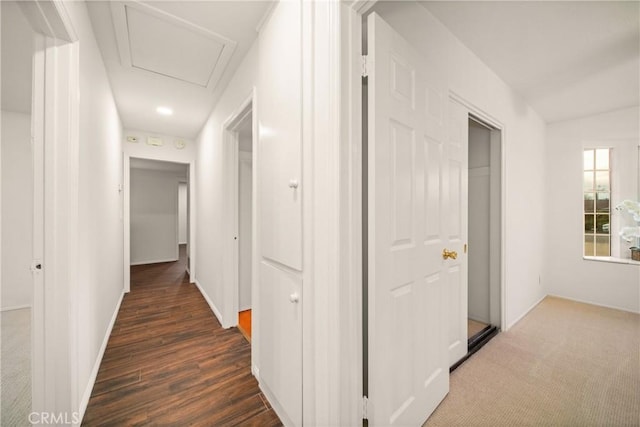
x=594 y=303
x=213 y=307
x=275 y=404
x=156 y=261
x=524 y=314
x=16 y=307
x=96 y=366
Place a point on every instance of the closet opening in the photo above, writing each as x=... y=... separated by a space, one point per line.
x=484 y=180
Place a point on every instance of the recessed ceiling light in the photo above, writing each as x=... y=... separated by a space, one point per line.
x=165 y=111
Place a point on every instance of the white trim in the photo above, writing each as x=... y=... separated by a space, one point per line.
x=157 y=261
x=498 y=126
x=212 y=306
x=324 y=283
x=265 y=17
x=275 y=404
x=231 y=148
x=55 y=124
x=50 y=18
x=351 y=215
x=123 y=42
x=613 y=307
x=362 y=6
x=15 y=307
x=126 y=219
x=527 y=311
x=611 y=259
x=96 y=366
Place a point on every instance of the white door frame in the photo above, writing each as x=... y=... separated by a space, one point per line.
x=231 y=188
x=497 y=241
x=126 y=214
x=55 y=127
x=230 y=218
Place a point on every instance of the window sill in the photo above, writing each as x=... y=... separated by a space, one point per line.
x=611 y=259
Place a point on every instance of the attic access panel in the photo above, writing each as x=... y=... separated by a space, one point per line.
x=155 y=41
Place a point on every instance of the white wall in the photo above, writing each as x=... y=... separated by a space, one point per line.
x=154 y=216
x=17 y=210
x=567 y=274
x=182 y=213
x=479 y=207
x=100 y=245
x=524 y=146
x=244 y=227
x=167 y=152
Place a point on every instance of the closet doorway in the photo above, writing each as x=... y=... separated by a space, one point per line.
x=484 y=233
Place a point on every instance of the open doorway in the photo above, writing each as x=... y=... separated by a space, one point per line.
x=484 y=233
x=18 y=159
x=240 y=138
x=158 y=214
x=245 y=226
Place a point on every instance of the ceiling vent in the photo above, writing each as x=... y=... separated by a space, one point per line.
x=155 y=41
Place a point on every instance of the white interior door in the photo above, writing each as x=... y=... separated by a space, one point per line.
x=457 y=167
x=415 y=200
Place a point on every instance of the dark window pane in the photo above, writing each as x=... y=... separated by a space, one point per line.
x=602 y=203
x=602 y=224
x=588 y=202
x=602 y=246
x=588 y=246
x=588 y=224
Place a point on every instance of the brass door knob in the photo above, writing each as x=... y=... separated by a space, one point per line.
x=449 y=254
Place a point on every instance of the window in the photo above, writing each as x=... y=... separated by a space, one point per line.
x=597 y=202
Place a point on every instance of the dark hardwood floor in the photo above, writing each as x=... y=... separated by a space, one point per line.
x=169 y=362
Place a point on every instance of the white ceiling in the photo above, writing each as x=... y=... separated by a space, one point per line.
x=176 y=58
x=17 y=47
x=568 y=59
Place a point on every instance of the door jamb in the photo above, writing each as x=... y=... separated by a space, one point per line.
x=55 y=126
x=499 y=130
x=351 y=130
x=231 y=188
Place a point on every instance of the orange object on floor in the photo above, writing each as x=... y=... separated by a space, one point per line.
x=244 y=323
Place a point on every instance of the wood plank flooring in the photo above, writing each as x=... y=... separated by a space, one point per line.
x=169 y=362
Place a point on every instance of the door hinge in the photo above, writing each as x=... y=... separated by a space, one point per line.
x=364 y=66
x=365 y=408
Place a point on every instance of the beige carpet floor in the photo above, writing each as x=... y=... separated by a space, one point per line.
x=473 y=327
x=15 y=367
x=564 y=364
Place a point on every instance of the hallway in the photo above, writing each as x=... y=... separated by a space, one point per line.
x=168 y=360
